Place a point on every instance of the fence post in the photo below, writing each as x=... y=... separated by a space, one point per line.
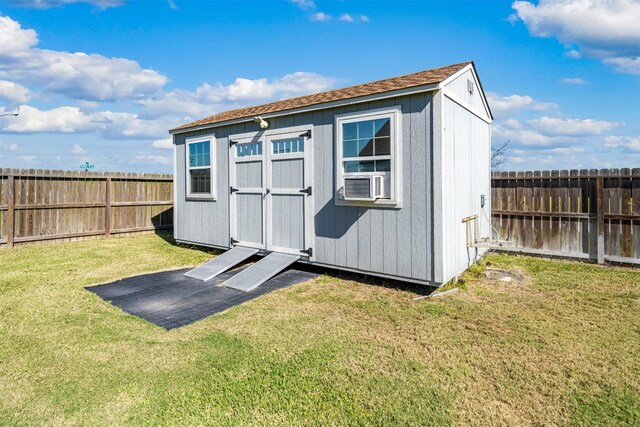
x=600 y=217
x=11 y=201
x=107 y=210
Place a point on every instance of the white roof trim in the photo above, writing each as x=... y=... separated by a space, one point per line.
x=452 y=96
x=477 y=82
x=325 y=105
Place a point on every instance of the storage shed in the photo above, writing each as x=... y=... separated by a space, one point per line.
x=388 y=178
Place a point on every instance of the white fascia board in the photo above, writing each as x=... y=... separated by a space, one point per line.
x=323 y=106
x=460 y=72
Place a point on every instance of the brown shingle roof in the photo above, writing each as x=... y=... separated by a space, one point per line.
x=427 y=77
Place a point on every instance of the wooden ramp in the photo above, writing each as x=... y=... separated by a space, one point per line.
x=221 y=263
x=261 y=271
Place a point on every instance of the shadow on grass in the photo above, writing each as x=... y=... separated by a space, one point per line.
x=167 y=236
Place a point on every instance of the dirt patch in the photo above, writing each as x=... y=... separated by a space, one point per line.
x=514 y=277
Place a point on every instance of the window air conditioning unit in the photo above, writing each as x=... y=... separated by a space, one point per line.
x=363 y=187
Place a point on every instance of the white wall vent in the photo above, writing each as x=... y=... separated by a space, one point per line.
x=363 y=187
x=470 y=86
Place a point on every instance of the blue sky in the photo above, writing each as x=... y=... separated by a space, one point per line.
x=102 y=80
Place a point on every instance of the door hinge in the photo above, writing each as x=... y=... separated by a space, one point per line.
x=231 y=142
x=233 y=241
x=306 y=190
x=306 y=134
x=308 y=252
x=233 y=190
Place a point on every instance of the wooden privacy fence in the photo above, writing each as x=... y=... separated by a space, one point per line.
x=38 y=205
x=588 y=214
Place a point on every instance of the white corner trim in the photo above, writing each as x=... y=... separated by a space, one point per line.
x=175 y=185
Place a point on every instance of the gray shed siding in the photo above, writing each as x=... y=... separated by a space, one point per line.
x=387 y=241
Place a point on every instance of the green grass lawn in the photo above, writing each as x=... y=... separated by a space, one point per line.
x=562 y=348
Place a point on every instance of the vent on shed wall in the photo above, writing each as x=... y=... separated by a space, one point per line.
x=470 y=86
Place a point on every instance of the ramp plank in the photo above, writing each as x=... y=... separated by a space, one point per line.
x=261 y=271
x=221 y=263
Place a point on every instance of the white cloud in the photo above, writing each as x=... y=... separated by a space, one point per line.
x=603 y=29
x=364 y=18
x=554 y=126
x=346 y=17
x=76 y=75
x=320 y=17
x=163 y=144
x=77 y=150
x=209 y=99
x=573 y=81
x=14 y=92
x=67 y=119
x=244 y=89
x=571 y=156
x=88 y=105
x=131 y=126
x=62 y=119
x=9 y=146
x=624 y=65
x=504 y=105
x=304 y=4
x=631 y=143
x=14 y=39
x=28 y=159
x=526 y=136
x=302 y=83
x=574 y=54
x=164 y=110
x=47 y=4
x=172 y=5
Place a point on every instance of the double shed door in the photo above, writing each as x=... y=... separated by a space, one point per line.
x=271 y=203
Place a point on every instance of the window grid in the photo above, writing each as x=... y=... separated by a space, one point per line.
x=249 y=149
x=366 y=146
x=288 y=145
x=199 y=154
x=200 y=181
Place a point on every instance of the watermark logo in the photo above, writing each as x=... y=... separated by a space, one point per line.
x=87 y=166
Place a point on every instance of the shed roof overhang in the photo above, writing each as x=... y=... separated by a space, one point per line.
x=423 y=81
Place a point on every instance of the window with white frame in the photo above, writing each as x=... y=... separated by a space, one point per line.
x=368 y=144
x=200 y=167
